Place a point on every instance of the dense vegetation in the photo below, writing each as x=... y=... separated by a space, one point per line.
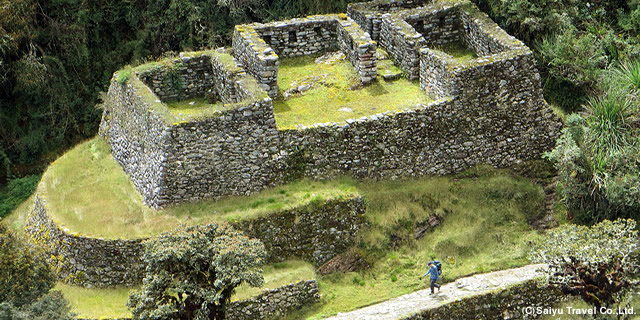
x=26 y=281
x=56 y=58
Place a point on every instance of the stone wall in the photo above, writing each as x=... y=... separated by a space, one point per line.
x=257 y=58
x=316 y=232
x=85 y=261
x=491 y=112
x=403 y=44
x=359 y=49
x=275 y=303
x=405 y=33
x=134 y=125
x=182 y=78
x=301 y=36
x=444 y=137
x=259 y=46
x=369 y=14
x=230 y=152
x=483 y=36
x=233 y=153
x=503 y=304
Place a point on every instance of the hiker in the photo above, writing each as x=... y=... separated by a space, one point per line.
x=435 y=276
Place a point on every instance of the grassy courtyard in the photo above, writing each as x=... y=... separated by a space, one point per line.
x=334 y=95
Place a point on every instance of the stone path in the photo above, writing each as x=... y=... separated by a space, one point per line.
x=406 y=305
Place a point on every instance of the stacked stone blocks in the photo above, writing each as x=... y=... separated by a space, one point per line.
x=258 y=46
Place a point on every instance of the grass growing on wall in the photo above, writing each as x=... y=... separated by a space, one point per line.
x=333 y=100
x=89 y=193
x=96 y=303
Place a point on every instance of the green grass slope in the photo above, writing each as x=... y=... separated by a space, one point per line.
x=89 y=193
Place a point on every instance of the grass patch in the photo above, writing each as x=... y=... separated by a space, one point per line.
x=192 y=108
x=484 y=229
x=330 y=98
x=89 y=193
x=98 y=303
x=459 y=51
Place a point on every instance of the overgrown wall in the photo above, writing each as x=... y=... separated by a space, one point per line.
x=81 y=260
x=275 y=303
x=503 y=304
x=315 y=232
x=440 y=138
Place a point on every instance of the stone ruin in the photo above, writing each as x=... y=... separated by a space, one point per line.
x=489 y=109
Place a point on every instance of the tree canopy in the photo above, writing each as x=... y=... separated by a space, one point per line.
x=25 y=282
x=592 y=262
x=192 y=272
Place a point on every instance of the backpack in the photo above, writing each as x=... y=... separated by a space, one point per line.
x=438 y=266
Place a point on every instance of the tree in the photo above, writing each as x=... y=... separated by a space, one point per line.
x=25 y=282
x=594 y=263
x=192 y=272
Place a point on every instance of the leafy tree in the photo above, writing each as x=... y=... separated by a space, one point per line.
x=594 y=263
x=24 y=273
x=192 y=272
x=26 y=281
x=51 y=306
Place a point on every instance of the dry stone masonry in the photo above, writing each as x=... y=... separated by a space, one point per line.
x=490 y=110
x=316 y=232
x=258 y=46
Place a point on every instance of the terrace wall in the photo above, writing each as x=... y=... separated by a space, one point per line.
x=275 y=303
x=315 y=232
x=81 y=260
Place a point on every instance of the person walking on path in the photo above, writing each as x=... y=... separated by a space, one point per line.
x=435 y=276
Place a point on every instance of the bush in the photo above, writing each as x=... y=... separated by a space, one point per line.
x=16 y=192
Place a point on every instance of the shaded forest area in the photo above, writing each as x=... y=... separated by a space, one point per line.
x=57 y=56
